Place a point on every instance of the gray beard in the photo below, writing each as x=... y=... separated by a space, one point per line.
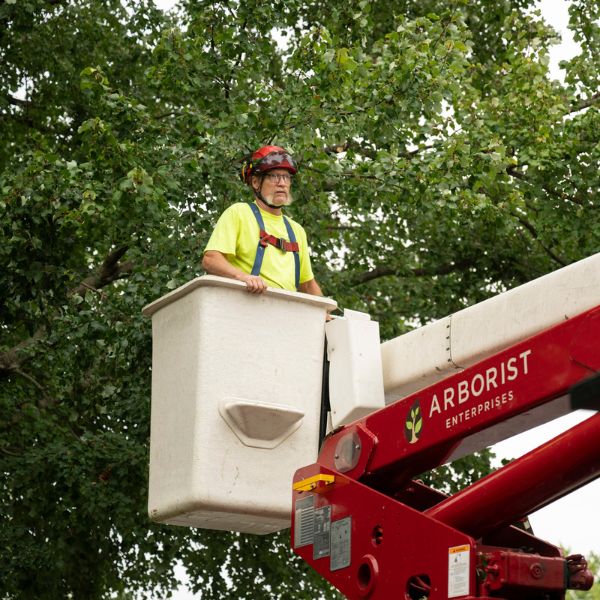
x=269 y=200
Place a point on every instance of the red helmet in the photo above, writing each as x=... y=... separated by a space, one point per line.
x=265 y=159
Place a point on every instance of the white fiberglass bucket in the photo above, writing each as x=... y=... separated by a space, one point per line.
x=236 y=392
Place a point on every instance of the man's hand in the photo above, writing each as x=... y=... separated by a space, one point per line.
x=215 y=263
x=254 y=284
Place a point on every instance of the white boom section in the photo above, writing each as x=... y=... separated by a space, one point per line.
x=435 y=351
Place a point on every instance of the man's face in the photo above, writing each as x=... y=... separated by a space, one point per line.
x=276 y=187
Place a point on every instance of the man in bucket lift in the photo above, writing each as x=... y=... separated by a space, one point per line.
x=255 y=243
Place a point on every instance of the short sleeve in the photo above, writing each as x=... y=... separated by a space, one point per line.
x=224 y=237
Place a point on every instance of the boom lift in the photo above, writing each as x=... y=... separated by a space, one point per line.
x=228 y=431
x=365 y=524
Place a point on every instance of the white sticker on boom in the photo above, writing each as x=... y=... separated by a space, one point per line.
x=458 y=571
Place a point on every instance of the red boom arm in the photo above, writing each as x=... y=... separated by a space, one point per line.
x=362 y=522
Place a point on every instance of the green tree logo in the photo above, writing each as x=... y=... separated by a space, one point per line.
x=413 y=423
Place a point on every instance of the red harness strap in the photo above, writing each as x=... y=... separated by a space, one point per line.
x=266 y=238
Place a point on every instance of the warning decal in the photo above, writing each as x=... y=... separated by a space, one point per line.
x=458 y=571
x=322 y=529
x=304 y=521
x=341 y=534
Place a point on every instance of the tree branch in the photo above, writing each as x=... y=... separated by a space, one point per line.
x=171 y=113
x=6 y=451
x=351 y=145
x=31 y=379
x=10 y=361
x=45 y=401
x=386 y=271
x=109 y=271
x=534 y=234
x=47 y=1
x=17 y=101
x=513 y=171
x=337 y=148
x=585 y=103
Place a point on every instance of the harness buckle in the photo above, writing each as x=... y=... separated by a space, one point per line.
x=281 y=244
x=264 y=239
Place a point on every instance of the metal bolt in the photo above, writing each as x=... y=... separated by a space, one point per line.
x=536 y=570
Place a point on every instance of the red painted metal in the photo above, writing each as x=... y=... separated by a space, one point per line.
x=391 y=544
x=580 y=578
x=549 y=472
x=510 y=574
x=407 y=541
x=461 y=413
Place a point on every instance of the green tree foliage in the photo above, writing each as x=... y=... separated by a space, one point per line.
x=439 y=165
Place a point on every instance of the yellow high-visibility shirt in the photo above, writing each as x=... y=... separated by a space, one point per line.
x=236 y=235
